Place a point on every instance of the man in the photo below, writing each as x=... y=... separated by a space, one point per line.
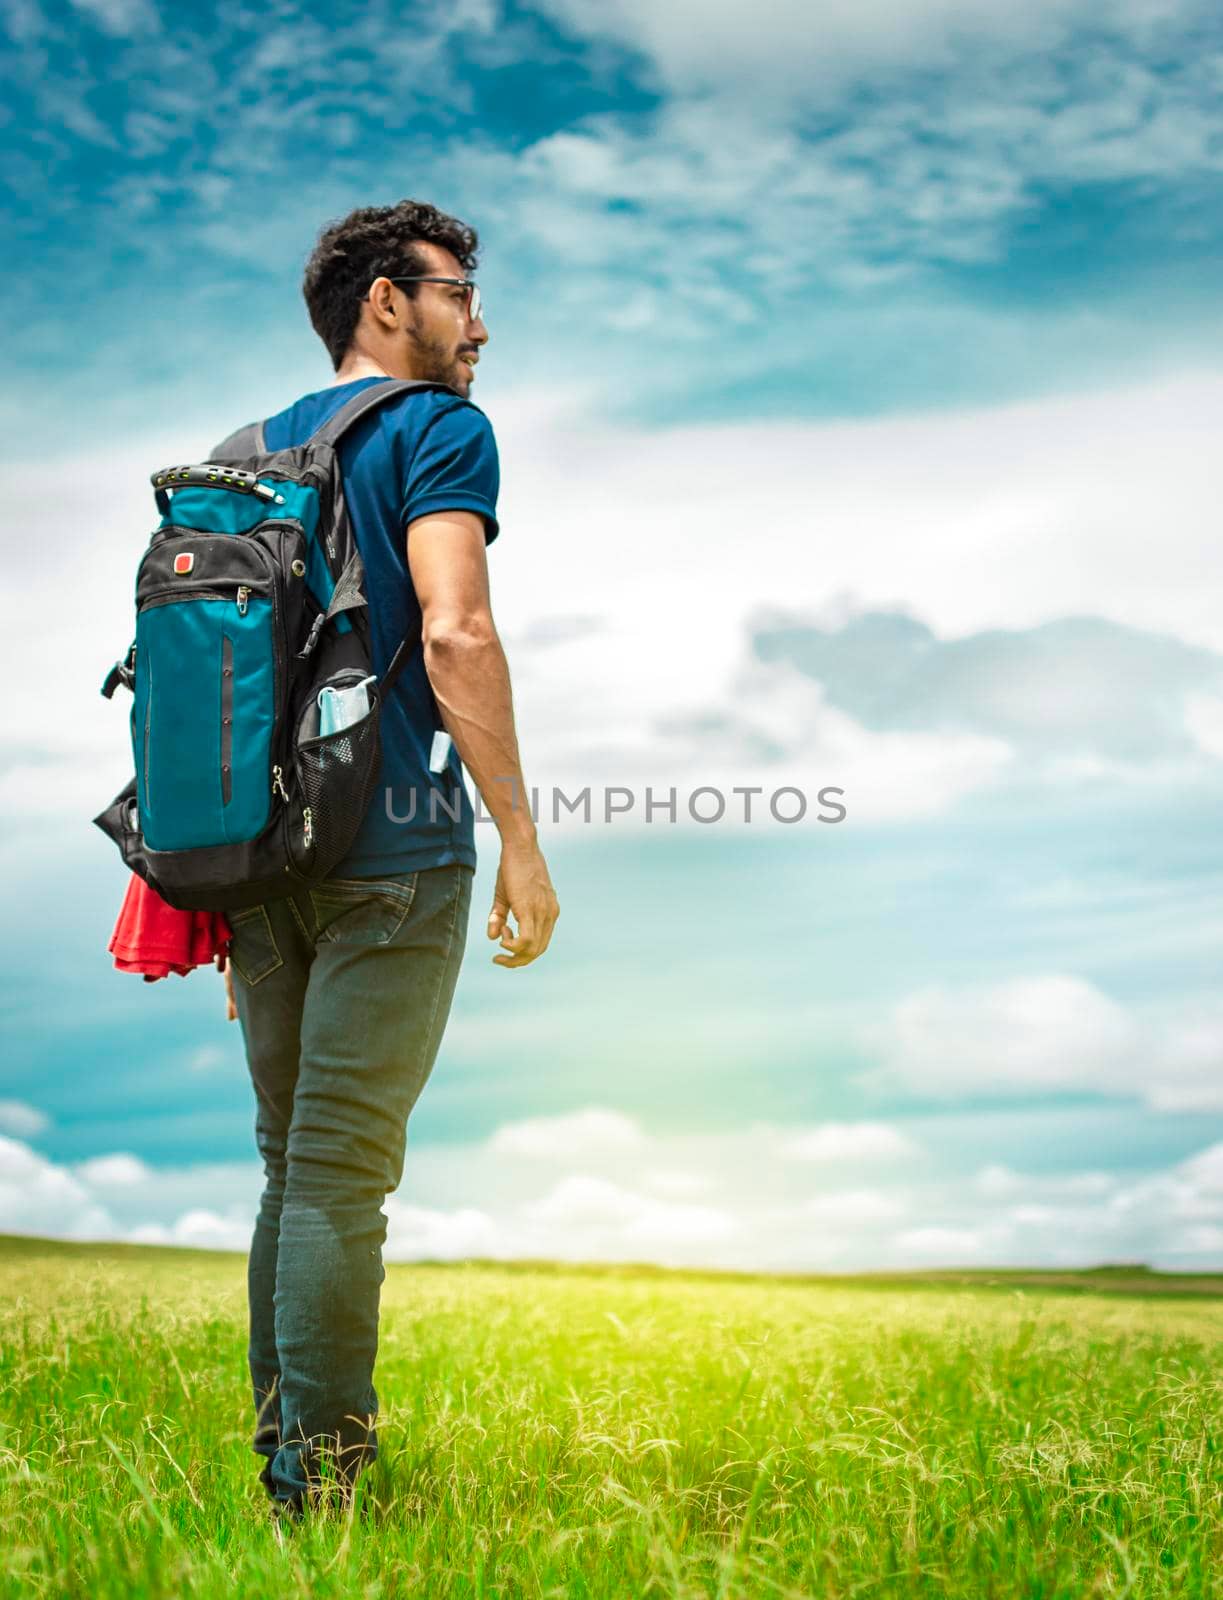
x=343 y=990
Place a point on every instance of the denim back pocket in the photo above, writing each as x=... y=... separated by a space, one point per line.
x=362 y=910
x=253 y=948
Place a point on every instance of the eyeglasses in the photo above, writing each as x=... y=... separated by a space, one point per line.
x=474 y=302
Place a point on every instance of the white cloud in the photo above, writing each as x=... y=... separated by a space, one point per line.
x=1205 y=1170
x=849 y=1141
x=198 y=1229
x=37 y=1196
x=602 y=1220
x=1043 y=1032
x=928 y=167
x=585 y=1200
x=418 y=1233
x=1204 y=1241
x=1046 y=1033
x=934 y=160
x=785 y=47
x=206 y=1204
x=854 y=1207
x=1072 y=689
x=1185 y=1071
x=1204 y=720
x=22 y=1121
x=118 y=1170
x=571 y=1135
x=997 y=1182
x=877 y=176
x=121 y=17
x=208 y=1058
x=938 y=1247
x=1010 y=517
x=1000 y=518
x=678 y=1185
x=725 y=1200
x=773 y=729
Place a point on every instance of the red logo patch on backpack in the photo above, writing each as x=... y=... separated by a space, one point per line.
x=184 y=561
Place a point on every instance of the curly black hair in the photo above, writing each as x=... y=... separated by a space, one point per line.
x=369 y=243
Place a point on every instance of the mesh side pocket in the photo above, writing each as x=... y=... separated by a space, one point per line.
x=338 y=773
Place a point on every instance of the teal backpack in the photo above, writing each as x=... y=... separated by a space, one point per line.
x=250 y=600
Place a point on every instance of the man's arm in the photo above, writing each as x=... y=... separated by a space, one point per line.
x=471 y=683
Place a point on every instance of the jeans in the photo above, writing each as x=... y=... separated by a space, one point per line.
x=343 y=991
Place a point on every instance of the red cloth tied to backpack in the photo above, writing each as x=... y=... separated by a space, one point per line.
x=155 y=939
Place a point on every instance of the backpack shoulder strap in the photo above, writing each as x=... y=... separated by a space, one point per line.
x=334 y=429
x=238 y=446
x=331 y=432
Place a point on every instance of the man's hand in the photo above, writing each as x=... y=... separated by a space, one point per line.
x=231 y=1005
x=470 y=679
x=525 y=890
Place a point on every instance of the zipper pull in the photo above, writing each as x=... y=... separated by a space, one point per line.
x=307 y=827
x=316 y=627
x=278 y=784
x=244 y=593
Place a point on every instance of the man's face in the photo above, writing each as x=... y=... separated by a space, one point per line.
x=444 y=340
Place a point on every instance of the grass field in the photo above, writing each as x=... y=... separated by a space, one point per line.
x=582 y=1433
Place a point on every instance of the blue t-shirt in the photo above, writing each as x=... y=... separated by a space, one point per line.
x=425 y=451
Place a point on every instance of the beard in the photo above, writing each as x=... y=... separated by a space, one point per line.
x=435 y=360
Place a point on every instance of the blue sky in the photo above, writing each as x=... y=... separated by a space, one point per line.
x=858 y=375
x=915 y=203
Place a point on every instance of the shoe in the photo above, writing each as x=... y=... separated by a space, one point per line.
x=285 y=1514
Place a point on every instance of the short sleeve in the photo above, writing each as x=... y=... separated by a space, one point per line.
x=455 y=467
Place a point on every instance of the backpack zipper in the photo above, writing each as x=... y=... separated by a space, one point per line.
x=165 y=597
x=148 y=719
x=227 y=718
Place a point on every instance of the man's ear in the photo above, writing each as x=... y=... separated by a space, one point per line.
x=383 y=304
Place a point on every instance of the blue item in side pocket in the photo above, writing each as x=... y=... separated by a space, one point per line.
x=340 y=708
